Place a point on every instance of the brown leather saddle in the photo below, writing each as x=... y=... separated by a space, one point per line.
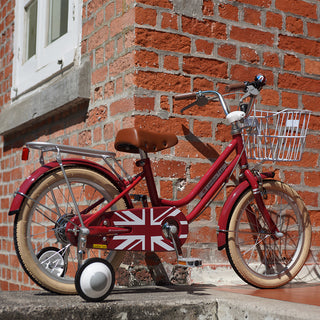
x=132 y=139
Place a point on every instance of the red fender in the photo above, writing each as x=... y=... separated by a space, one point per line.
x=227 y=207
x=31 y=180
x=226 y=210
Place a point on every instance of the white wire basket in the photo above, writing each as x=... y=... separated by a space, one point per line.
x=276 y=136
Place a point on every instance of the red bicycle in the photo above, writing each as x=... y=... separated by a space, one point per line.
x=70 y=211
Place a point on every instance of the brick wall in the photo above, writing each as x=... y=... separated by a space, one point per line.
x=143 y=52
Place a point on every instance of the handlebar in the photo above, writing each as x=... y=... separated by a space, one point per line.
x=251 y=89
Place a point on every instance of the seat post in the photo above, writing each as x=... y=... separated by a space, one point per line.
x=145 y=163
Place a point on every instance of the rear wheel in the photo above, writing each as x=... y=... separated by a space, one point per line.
x=258 y=257
x=39 y=228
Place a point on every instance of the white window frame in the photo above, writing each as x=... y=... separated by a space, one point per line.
x=49 y=58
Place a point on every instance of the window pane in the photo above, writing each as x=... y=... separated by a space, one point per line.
x=58 y=24
x=31 y=27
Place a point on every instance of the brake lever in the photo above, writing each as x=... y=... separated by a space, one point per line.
x=201 y=101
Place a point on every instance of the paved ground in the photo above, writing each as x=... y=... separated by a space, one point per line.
x=199 y=302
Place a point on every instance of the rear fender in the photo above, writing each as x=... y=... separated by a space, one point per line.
x=36 y=175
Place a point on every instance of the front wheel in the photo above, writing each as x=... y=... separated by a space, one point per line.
x=40 y=238
x=257 y=256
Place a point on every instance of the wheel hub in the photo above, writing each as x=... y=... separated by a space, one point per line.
x=60 y=228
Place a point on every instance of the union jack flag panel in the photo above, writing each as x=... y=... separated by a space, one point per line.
x=146 y=229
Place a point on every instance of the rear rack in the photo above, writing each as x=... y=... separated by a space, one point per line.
x=80 y=151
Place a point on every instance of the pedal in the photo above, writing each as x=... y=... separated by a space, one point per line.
x=189 y=262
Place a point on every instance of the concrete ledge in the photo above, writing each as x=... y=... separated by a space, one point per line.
x=165 y=303
x=64 y=90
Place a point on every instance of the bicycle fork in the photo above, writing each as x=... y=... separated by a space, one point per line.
x=259 y=194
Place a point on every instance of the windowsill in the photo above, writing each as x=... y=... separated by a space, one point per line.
x=68 y=88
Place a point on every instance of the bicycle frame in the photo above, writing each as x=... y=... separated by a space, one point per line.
x=240 y=159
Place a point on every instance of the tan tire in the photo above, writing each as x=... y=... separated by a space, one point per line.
x=256 y=256
x=39 y=229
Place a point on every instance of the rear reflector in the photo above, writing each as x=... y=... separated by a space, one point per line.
x=25 y=154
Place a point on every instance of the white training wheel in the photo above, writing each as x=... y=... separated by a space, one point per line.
x=95 y=279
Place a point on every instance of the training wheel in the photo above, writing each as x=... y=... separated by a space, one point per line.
x=53 y=261
x=95 y=279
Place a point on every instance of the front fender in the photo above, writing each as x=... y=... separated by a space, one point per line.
x=226 y=211
x=33 y=178
x=228 y=206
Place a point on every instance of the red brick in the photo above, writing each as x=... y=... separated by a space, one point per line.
x=271 y=60
x=164 y=103
x=119 y=24
x=162 y=40
x=313 y=29
x=204 y=46
x=169 y=21
x=228 y=11
x=202 y=128
x=145 y=58
x=97 y=115
x=109 y=11
x=202 y=235
x=202 y=84
x=312 y=66
x=311 y=102
x=157 y=3
x=300 y=45
x=252 y=36
x=146 y=16
x=249 y=55
x=292 y=63
x=244 y=73
x=195 y=149
x=198 y=169
x=289 y=100
x=121 y=106
x=252 y=16
x=291 y=81
x=153 y=123
x=169 y=168
x=270 y=97
x=144 y=103
x=312 y=178
x=227 y=51
x=162 y=81
x=99 y=75
x=294 y=25
x=309 y=198
x=122 y=64
x=87 y=28
x=292 y=177
x=171 y=63
x=313 y=141
x=260 y=3
x=85 y=138
x=210 y=67
x=223 y=133
x=166 y=189
x=314 y=122
x=298 y=7
x=93 y=6
x=98 y=38
x=207 y=8
x=206 y=28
